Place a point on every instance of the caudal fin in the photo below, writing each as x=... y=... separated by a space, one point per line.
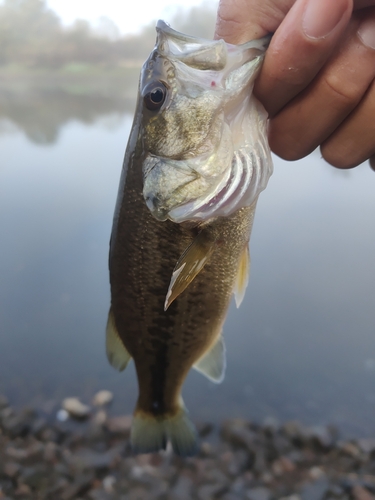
x=150 y=434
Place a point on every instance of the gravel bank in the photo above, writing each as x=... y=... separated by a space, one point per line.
x=44 y=457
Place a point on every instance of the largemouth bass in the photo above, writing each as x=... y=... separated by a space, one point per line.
x=196 y=161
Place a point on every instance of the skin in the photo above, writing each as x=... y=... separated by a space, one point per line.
x=317 y=82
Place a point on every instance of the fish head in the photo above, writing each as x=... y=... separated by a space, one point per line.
x=193 y=93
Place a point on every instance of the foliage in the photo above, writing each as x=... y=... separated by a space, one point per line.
x=31 y=35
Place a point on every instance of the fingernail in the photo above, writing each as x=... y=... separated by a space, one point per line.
x=366 y=32
x=321 y=17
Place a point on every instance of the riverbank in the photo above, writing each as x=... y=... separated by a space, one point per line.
x=46 y=454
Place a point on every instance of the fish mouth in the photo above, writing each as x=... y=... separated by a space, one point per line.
x=155 y=205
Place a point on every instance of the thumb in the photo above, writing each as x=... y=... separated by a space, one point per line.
x=305 y=34
x=239 y=21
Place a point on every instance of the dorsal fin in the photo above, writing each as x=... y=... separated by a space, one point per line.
x=213 y=363
x=190 y=264
x=242 y=276
x=117 y=353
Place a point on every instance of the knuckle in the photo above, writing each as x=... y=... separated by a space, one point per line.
x=341 y=89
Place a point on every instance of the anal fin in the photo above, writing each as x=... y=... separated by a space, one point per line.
x=117 y=353
x=242 y=276
x=190 y=264
x=213 y=363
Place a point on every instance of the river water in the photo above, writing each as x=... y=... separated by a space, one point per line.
x=302 y=345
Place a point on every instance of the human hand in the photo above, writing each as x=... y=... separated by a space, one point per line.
x=318 y=77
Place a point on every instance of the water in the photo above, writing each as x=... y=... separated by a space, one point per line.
x=301 y=346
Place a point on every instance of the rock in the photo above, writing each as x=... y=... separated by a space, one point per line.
x=322 y=436
x=18 y=424
x=183 y=489
x=259 y=493
x=75 y=408
x=295 y=432
x=204 y=429
x=11 y=469
x=23 y=490
x=88 y=459
x=109 y=483
x=316 y=490
x=210 y=491
x=367 y=445
x=361 y=493
x=119 y=425
x=237 y=433
x=35 y=477
x=102 y=398
x=79 y=486
x=282 y=465
x=3 y=402
x=99 y=419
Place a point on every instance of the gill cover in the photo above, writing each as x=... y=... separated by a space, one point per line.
x=204 y=136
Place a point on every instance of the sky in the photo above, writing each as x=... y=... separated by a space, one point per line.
x=129 y=15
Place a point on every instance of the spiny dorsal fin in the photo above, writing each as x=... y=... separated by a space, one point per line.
x=117 y=354
x=242 y=276
x=213 y=363
x=190 y=264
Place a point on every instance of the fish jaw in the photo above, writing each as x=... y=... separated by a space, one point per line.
x=206 y=149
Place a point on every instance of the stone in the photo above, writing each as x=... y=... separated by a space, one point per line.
x=75 y=408
x=3 y=402
x=12 y=469
x=316 y=490
x=210 y=491
x=322 y=436
x=18 y=424
x=102 y=398
x=109 y=483
x=367 y=445
x=119 y=425
x=361 y=493
x=258 y=493
x=237 y=433
x=183 y=489
x=79 y=486
x=282 y=466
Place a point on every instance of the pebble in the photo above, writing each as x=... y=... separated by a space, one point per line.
x=75 y=408
x=42 y=458
x=102 y=398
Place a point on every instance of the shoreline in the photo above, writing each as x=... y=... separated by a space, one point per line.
x=57 y=456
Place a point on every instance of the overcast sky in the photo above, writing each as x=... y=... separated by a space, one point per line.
x=127 y=14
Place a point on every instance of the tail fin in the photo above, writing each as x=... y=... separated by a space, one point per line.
x=151 y=433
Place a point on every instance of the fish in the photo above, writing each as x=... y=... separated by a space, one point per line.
x=196 y=160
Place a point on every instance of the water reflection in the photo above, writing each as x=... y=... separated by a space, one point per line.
x=41 y=113
x=302 y=344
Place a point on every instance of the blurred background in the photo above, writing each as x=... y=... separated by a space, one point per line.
x=302 y=344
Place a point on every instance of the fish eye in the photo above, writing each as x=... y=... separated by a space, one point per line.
x=155 y=96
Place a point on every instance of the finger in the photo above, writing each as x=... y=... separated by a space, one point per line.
x=361 y=4
x=299 y=49
x=354 y=141
x=314 y=115
x=239 y=21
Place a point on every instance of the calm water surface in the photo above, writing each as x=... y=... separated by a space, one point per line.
x=302 y=345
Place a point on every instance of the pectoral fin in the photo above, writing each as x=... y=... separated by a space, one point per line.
x=242 y=276
x=117 y=354
x=213 y=363
x=189 y=265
